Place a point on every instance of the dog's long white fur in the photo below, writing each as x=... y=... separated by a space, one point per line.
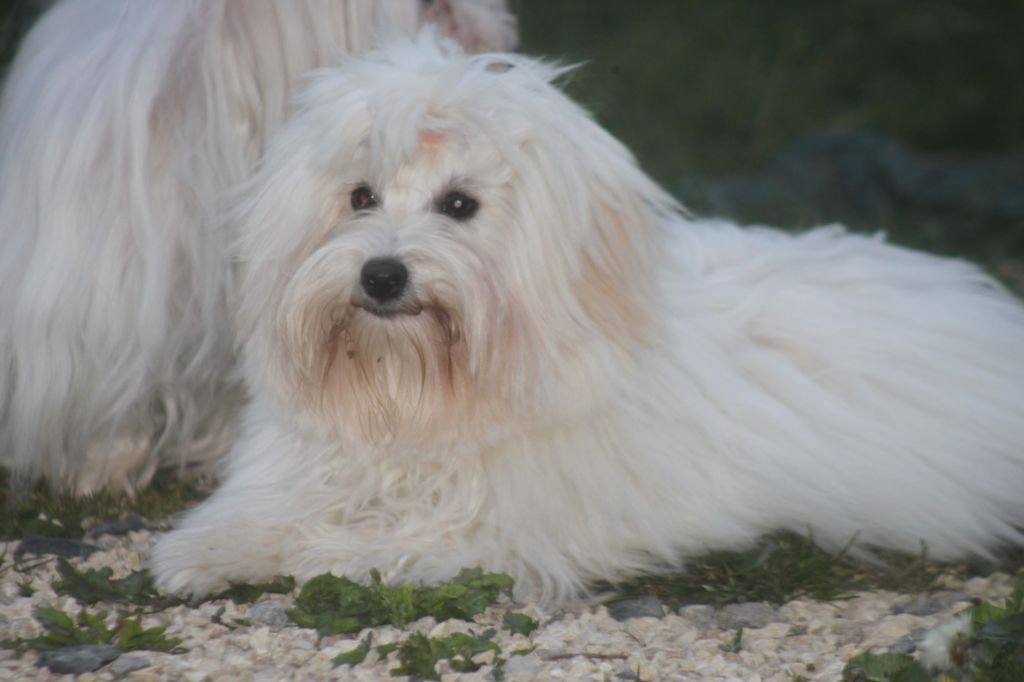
x=594 y=384
x=123 y=125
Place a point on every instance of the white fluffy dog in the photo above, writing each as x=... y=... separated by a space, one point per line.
x=476 y=334
x=123 y=124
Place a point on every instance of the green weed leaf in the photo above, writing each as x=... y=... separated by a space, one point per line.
x=419 y=655
x=62 y=630
x=519 y=623
x=887 y=667
x=97 y=585
x=89 y=628
x=334 y=605
x=355 y=656
x=131 y=636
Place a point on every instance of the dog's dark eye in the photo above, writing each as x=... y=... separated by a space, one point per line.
x=458 y=206
x=363 y=198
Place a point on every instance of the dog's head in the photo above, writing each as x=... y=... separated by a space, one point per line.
x=438 y=246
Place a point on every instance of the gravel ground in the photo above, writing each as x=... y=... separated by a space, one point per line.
x=803 y=638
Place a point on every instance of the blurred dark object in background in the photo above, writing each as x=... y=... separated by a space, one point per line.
x=870 y=181
x=859 y=177
x=16 y=16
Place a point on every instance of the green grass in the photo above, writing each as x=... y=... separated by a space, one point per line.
x=43 y=511
x=785 y=566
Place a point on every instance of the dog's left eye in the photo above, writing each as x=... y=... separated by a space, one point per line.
x=363 y=198
x=458 y=206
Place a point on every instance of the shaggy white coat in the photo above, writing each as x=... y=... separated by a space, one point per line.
x=122 y=126
x=582 y=382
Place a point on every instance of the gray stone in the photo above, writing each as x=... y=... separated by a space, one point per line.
x=268 y=612
x=523 y=665
x=550 y=654
x=128 y=663
x=904 y=645
x=79 y=659
x=930 y=603
x=754 y=614
x=635 y=607
x=121 y=526
x=702 y=616
x=66 y=547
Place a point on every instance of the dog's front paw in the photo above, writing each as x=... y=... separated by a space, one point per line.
x=193 y=563
x=180 y=565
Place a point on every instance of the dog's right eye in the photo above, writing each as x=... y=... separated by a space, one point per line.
x=363 y=198
x=458 y=206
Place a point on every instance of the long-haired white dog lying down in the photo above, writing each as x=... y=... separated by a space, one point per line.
x=123 y=124
x=476 y=334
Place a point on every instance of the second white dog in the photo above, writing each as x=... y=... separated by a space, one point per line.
x=477 y=334
x=124 y=124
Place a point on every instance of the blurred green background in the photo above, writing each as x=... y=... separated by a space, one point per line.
x=907 y=116
x=720 y=84
x=903 y=116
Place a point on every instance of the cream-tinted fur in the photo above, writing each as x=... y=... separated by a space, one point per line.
x=580 y=382
x=123 y=126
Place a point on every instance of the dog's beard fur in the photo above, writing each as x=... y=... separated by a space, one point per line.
x=421 y=372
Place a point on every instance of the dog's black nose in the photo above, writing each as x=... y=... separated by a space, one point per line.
x=384 y=279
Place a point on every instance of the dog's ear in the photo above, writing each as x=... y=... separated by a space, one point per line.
x=615 y=287
x=608 y=216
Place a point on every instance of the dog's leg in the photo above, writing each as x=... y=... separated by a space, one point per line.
x=230 y=538
x=291 y=506
x=120 y=464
